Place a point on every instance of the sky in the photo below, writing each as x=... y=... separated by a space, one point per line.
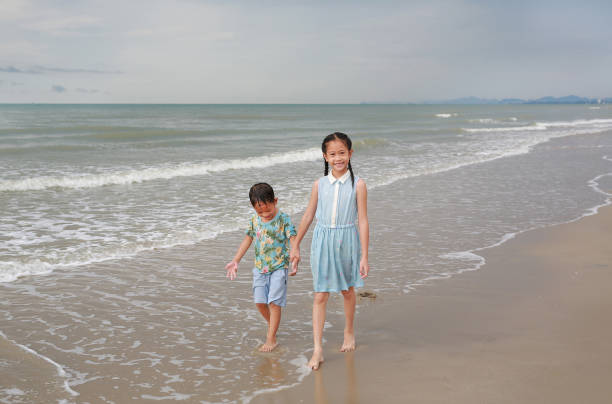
x=190 y=51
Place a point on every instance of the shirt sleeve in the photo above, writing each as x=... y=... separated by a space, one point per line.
x=289 y=227
x=251 y=229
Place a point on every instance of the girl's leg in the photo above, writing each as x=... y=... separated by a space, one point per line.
x=318 y=321
x=349 y=318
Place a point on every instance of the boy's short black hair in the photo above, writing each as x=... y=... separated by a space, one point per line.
x=261 y=193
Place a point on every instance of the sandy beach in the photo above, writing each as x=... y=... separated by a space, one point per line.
x=531 y=326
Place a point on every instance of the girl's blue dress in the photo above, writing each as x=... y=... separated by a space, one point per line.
x=335 y=251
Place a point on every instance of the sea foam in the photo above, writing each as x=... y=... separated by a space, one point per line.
x=596 y=124
x=11 y=270
x=156 y=173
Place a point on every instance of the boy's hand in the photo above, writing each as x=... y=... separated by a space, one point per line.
x=294 y=267
x=232 y=270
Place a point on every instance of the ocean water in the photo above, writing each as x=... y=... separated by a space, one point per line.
x=117 y=220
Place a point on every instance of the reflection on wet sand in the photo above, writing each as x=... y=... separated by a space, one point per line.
x=320 y=394
x=270 y=371
x=351 y=378
x=351 y=395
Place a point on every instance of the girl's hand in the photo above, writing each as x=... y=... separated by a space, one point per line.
x=294 y=256
x=232 y=270
x=364 y=268
x=294 y=267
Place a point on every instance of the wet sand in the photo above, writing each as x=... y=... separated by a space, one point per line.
x=531 y=326
x=22 y=368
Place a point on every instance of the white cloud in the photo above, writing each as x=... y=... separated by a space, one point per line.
x=13 y=9
x=87 y=90
x=64 y=25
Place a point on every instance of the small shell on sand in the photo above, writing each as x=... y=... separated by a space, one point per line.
x=369 y=294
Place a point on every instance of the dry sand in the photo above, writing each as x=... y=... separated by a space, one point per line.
x=533 y=325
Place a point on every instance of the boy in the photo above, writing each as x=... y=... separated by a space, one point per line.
x=272 y=231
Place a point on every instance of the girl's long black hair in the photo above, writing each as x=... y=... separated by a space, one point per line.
x=347 y=142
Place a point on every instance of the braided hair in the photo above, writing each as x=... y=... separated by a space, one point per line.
x=347 y=142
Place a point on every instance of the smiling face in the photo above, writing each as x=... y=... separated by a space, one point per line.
x=266 y=210
x=338 y=156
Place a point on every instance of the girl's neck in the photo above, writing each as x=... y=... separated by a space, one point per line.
x=338 y=174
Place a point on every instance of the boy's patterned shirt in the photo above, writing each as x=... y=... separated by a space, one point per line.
x=271 y=241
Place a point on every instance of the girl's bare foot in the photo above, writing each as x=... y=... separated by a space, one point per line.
x=268 y=346
x=316 y=360
x=349 y=342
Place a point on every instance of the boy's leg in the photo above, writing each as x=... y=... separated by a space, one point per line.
x=260 y=293
x=349 y=319
x=318 y=322
x=264 y=310
x=261 y=288
x=276 y=299
x=273 y=323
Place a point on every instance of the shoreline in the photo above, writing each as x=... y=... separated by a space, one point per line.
x=531 y=325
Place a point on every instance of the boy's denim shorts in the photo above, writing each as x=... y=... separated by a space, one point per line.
x=271 y=287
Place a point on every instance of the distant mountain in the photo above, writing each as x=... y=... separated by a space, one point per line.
x=466 y=101
x=568 y=99
x=512 y=101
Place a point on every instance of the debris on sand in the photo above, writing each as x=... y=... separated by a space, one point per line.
x=368 y=294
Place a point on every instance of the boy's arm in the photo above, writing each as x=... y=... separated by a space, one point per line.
x=364 y=227
x=232 y=267
x=309 y=214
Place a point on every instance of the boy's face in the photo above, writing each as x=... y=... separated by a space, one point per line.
x=266 y=210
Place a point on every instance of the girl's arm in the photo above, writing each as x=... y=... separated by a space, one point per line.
x=232 y=267
x=293 y=261
x=309 y=214
x=364 y=227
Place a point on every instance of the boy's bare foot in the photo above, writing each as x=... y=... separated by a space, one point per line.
x=349 y=342
x=268 y=346
x=316 y=360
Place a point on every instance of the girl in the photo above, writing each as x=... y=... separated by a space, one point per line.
x=339 y=252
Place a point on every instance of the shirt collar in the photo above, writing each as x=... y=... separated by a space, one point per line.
x=342 y=179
